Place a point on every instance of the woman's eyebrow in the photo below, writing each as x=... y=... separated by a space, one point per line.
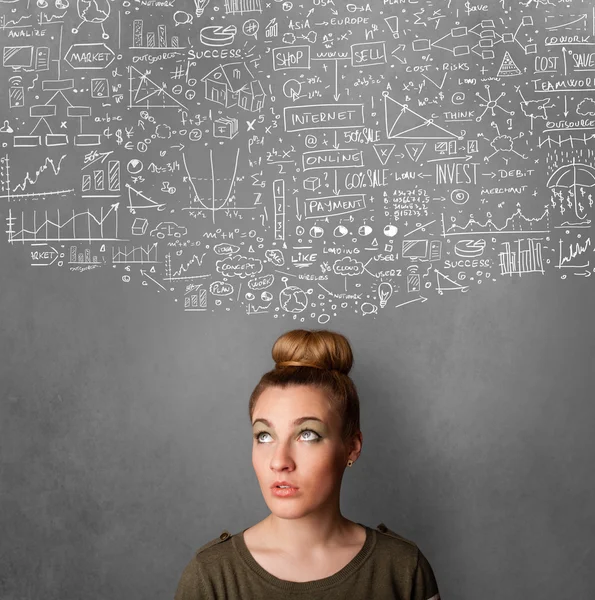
x=296 y=422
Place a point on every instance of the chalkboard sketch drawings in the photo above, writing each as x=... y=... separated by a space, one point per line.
x=45 y=252
x=385 y=291
x=310 y=183
x=216 y=203
x=423 y=18
x=384 y=152
x=195 y=298
x=135 y=166
x=503 y=143
x=82 y=226
x=537 y=3
x=142 y=255
x=84 y=258
x=225 y=127
x=101 y=179
x=470 y=248
x=90 y=56
x=413 y=279
x=571 y=139
x=218 y=36
x=185 y=269
x=145 y=93
x=137 y=200
x=233 y=84
x=140 y=226
x=516 y=223
x=293 y=299
x=586 y=107
x=152 y=41
x=265 y=296
x=575 y=177
x=491 y=104
x=415 y=150
x=292 y=88
x=94 y=12
x=235 y=7
x=275 y=256
x=459 y=196
x=16 y=92
x=458 y=49
x=470 y=72
x=290 y=38
x=570 y=259
x=393 y=25
x=508 y=67
x=99 y=87
x=521 y=261
x=169 y=229
x=414 y=249
x=200 y=6
x=446 y=284
x=29 y=180
x=279 y=205
x=17 y=57
x=534 y=109
x=584 y=19
x=271 y=29
x=44 y=111
x=404 y=123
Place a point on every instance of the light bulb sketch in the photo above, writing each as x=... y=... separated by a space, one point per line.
x=200 y=6
x=385 y=291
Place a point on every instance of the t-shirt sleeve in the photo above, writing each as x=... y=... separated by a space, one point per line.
x=424 y=582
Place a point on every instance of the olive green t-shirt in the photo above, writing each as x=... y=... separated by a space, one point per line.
x=388 y=567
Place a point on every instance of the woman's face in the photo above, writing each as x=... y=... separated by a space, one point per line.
x=309 y=454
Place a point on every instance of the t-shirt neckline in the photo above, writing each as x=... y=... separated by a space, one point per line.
x=304 y=586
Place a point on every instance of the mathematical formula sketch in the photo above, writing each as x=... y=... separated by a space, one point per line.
x=300 y=160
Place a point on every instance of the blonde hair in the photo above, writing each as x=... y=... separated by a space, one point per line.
x=318 y=358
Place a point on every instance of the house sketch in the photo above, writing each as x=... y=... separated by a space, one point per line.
x=233 y=84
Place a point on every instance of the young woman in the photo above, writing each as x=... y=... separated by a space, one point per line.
x=305 y=421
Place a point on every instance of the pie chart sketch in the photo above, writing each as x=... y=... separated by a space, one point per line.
x=292 y=89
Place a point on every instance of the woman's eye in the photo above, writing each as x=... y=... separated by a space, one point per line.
x=314 y=436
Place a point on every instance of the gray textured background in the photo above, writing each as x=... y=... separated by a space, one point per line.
x=125 y=439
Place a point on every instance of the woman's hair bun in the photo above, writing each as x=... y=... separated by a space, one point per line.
x=320 y=348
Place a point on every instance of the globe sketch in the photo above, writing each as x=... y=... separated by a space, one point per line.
x=293 y=299
x=93 y=11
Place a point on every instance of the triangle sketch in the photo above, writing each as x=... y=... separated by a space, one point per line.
x=146 y=89
x=139 y=197
x=406 y=124
x=383 y=152
x=414 y=149
x=446 y=284
x=508 y=67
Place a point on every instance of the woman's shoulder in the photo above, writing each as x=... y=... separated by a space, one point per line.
x=214 y=544
x=390 y=534
x=406 y=554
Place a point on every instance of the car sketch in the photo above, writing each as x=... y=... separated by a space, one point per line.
x=169 y=228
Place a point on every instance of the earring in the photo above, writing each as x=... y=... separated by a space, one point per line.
x=349 y=463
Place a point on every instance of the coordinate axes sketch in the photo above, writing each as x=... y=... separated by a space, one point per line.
x=300 y=159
